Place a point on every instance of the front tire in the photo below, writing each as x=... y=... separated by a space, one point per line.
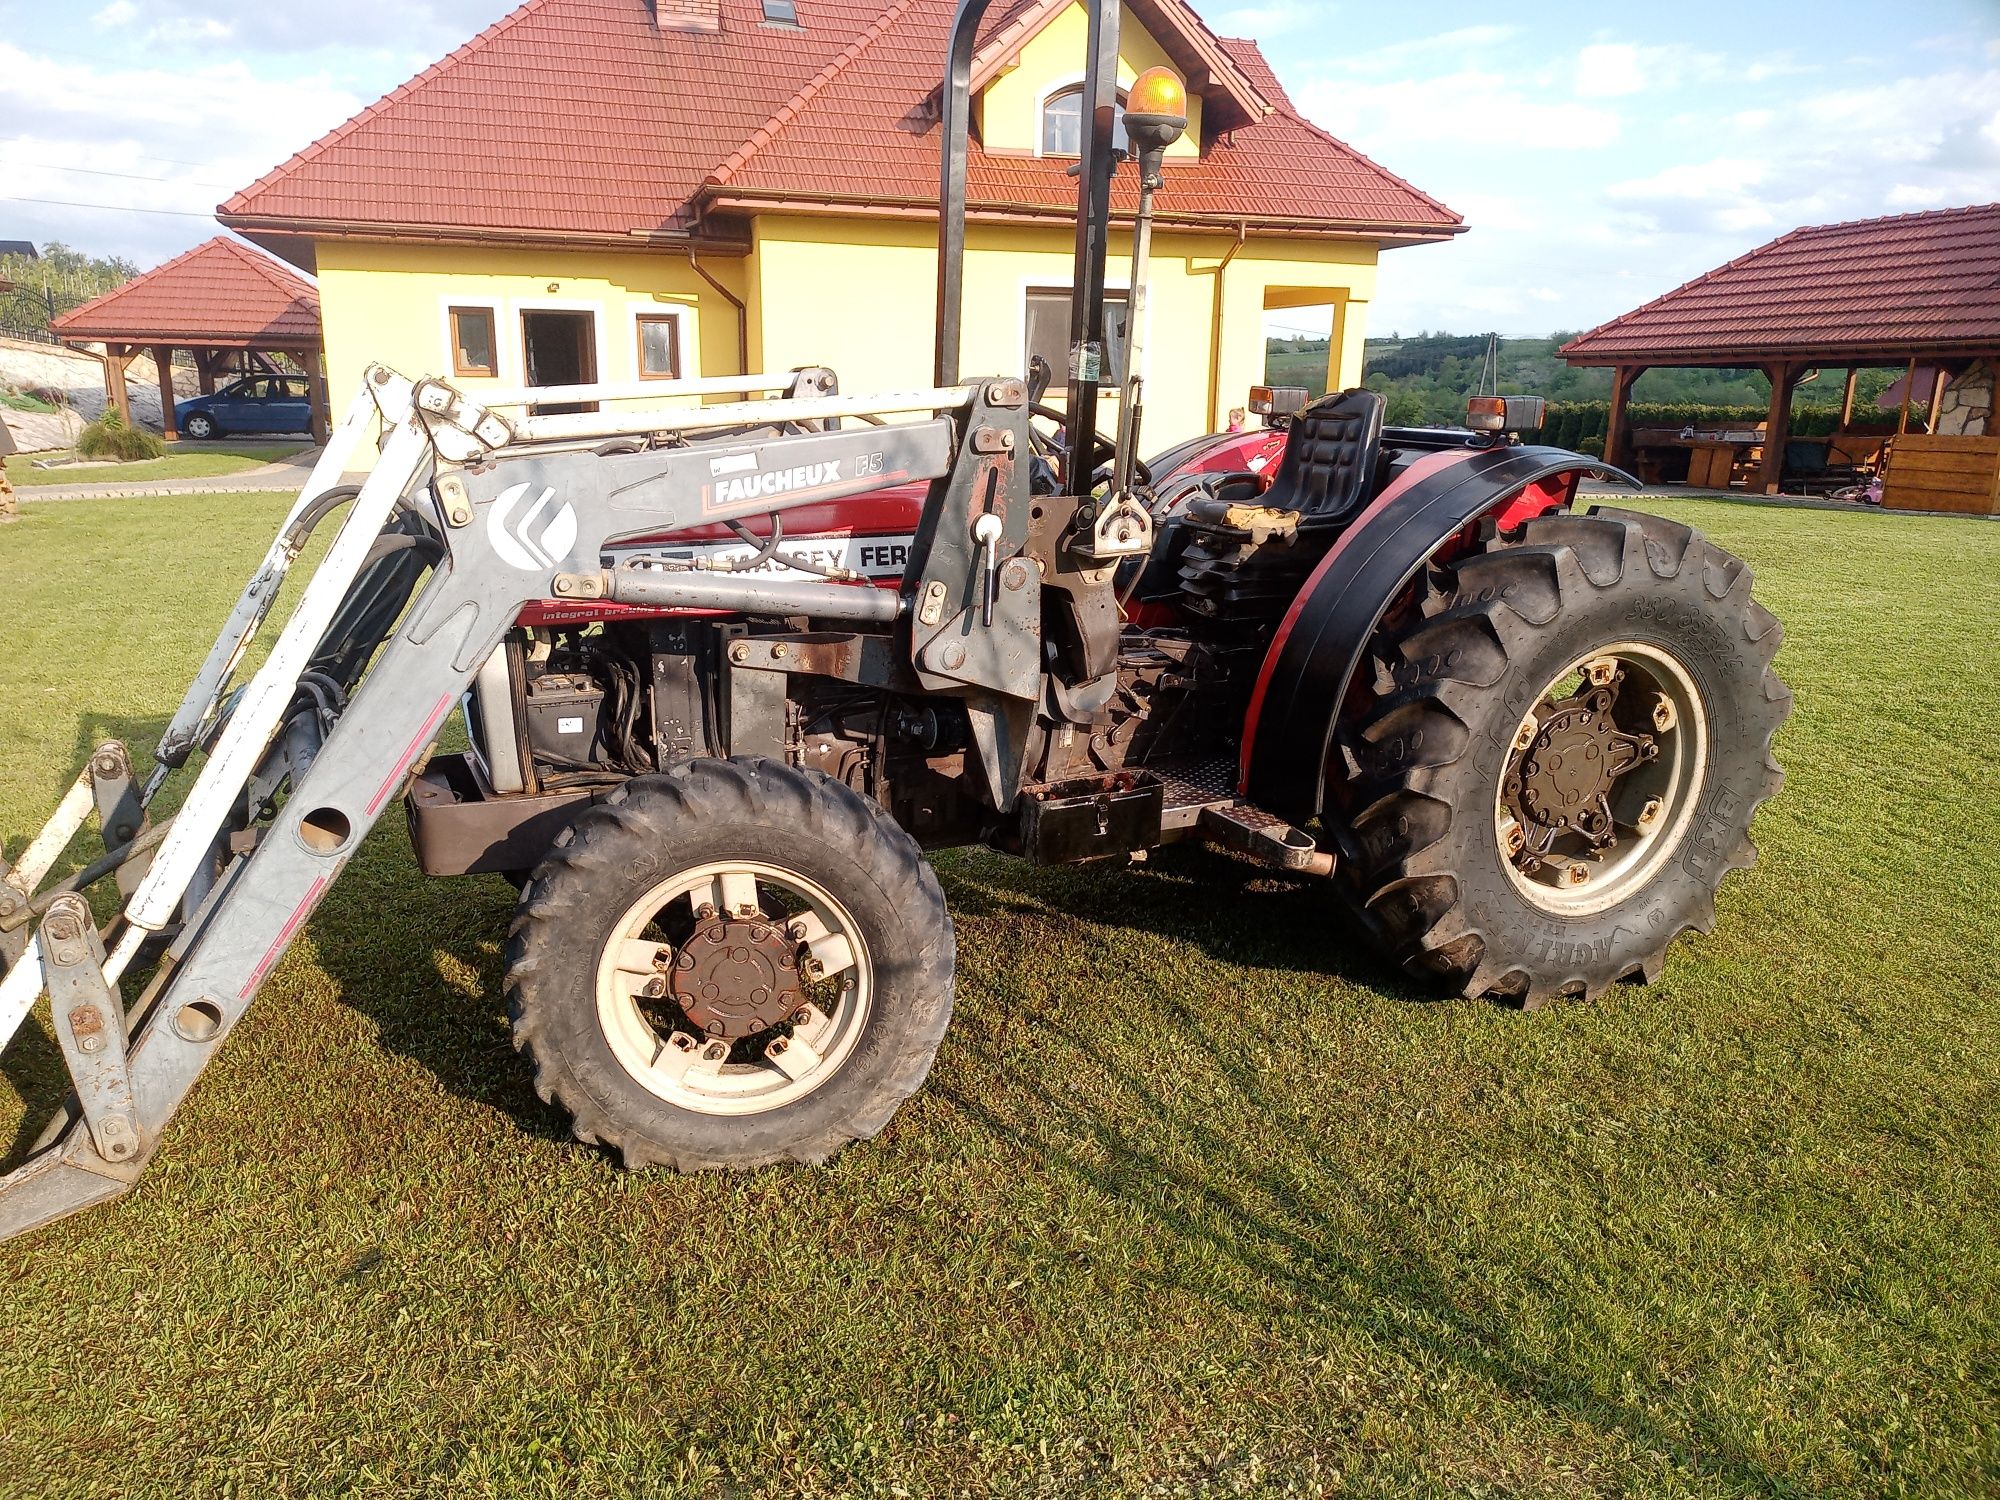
x=731 y=965
x=1568 y=746
x=201 y=427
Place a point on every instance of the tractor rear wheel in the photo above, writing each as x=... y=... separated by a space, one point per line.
x=1569 y=740
x=730 y=965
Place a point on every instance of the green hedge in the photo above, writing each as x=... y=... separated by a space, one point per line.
x=1572 y=424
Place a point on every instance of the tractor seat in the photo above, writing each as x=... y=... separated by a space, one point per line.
x=1328 y=471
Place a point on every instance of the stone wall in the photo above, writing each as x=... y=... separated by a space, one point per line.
x=1967 y=408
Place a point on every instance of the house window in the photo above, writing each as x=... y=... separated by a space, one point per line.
x=1049 y=335
x=659 y=346
x=473 y=347
x=781 y=12
x=1062 y=123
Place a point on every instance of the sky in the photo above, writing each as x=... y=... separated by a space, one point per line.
x=1601 y=153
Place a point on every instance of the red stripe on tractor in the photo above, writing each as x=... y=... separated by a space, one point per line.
x=402 y=763
x=285 y=934
x=1417 y=472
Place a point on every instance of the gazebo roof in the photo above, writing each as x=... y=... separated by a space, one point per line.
x=1891 y=289
x=221 y=294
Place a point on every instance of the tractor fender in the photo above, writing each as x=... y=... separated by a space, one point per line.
x=1323 y=638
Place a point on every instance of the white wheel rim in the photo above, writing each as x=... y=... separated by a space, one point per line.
x=1674 y=782
x=749 y=1077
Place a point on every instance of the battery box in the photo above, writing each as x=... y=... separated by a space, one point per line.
x=565 y=712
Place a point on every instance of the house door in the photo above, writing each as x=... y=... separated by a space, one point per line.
x=561 y=349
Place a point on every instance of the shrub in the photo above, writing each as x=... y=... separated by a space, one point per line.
x=109 y=437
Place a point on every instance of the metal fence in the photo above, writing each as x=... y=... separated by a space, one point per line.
x=27 y=311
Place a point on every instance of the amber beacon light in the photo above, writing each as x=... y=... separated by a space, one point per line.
x=1158 y=92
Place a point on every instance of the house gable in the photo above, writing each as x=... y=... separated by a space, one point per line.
x=1008 y=113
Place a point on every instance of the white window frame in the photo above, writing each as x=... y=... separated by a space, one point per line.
x=518 y=305
x=1062 y=86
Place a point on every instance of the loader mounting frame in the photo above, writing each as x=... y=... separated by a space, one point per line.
x=514 y=509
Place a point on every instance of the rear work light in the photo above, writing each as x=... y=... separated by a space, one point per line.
x=1505 y=413
x=1278 y=400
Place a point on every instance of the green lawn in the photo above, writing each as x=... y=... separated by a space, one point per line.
x=1200 y=1200
x=182 y=461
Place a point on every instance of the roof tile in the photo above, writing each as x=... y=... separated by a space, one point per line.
x=222 y=290
x=1927 y=279
x=580 y=117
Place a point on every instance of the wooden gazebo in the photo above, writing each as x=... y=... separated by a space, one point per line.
x=232 y=307
x=1912 y=289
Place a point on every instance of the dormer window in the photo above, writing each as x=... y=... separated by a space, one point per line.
x=1062 y=123
x=781 y=12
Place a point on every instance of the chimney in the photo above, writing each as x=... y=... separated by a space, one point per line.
x=686 y=15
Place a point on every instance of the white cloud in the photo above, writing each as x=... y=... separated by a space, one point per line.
x=163 y=145
x=1493 y=109
x=1606 y=70
x=117 y=13
x=1399 y=56
x=1270 y=18
x=432 y=26
x=1691 y=180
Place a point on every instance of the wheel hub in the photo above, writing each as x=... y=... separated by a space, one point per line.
x=736 y=976
x=1563 y=779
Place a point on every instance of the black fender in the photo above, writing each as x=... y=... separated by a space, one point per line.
x=1321 y=642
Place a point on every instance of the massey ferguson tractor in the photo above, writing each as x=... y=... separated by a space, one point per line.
x=733 y=653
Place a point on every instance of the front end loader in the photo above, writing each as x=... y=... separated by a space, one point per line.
x=1522 y=743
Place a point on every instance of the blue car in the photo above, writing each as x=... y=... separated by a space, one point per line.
x=254 y=404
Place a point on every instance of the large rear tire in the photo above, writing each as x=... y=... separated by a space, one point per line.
x=1568 y=743
x=730 y=965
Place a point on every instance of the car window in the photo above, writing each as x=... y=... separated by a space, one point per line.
x=255 y=389
x=294 y=390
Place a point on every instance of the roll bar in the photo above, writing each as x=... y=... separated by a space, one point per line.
x=1093 y=214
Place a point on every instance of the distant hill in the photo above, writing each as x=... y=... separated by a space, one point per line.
x=1428 y=376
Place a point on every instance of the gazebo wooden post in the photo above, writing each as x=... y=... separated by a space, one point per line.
x=1847 y=398
x=163 y=361
x=1616 y=438
x=204 y=369
x=1909 y=389
x=322 y=425
x=1777 y=426
x=117 y=357
x=1938 y=379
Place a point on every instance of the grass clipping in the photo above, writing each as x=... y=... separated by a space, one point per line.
x=110 y=436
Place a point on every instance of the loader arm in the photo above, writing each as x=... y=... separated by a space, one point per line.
x=511 y=511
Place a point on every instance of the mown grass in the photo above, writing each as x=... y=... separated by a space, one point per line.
x=1200 y=1198
x=182 y=461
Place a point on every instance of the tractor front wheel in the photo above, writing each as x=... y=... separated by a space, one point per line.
x=730 y=965
x=1568 y=743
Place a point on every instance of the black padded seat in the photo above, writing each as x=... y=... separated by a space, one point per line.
x=1328 y=471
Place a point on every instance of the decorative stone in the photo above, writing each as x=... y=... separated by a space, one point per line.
x=1967 y=407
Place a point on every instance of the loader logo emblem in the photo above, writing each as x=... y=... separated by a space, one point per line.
x=532 y=540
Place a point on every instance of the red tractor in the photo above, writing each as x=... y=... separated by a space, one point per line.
x=729 y=670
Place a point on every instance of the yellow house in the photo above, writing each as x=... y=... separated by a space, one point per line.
x=635 y=189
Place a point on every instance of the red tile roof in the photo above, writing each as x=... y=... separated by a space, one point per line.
x=219 y=293
x=1902 y=285
x=862 y=134
x=582 y=119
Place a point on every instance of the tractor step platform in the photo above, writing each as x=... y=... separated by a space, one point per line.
x=1200 y=801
